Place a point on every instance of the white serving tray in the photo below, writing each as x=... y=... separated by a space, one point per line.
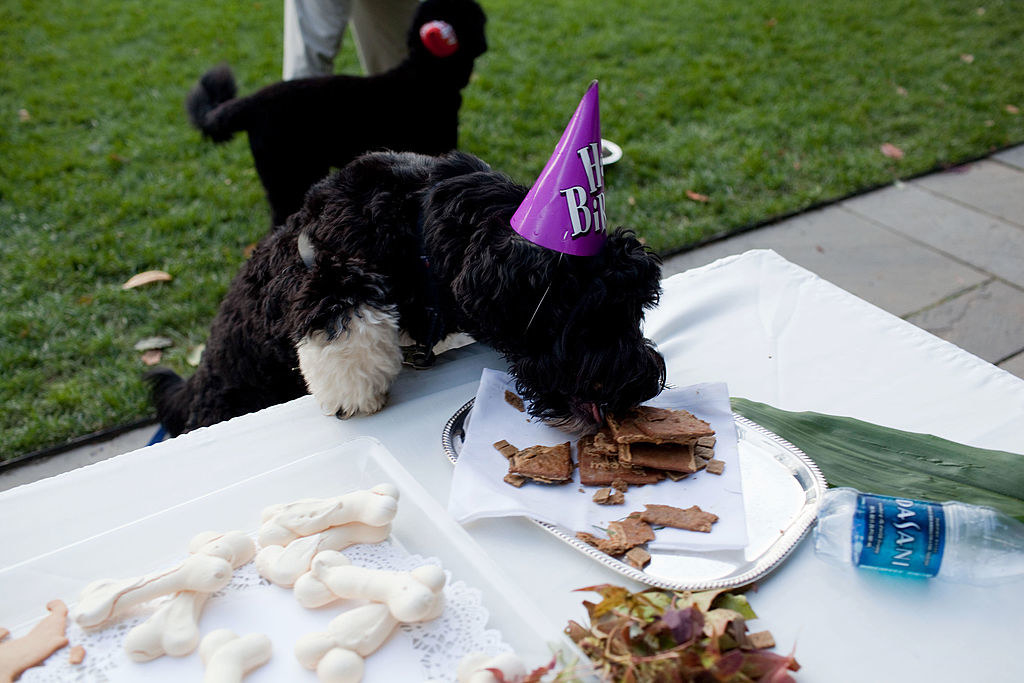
x=160 y=540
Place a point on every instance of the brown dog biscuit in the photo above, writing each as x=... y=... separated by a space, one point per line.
x=515 y=480
x=691 y=519
x=670 y=456
x=706 y=452
x=609 y=496
x=515 y=401
x=622 y=536
x=32 y=649
x=597 y=469
x=637 y=557
x=657 y=425
x=609 y=546
x=505 y=448
x=633 y=531
x=76 y=655
x=545 y=464
x=604 y=443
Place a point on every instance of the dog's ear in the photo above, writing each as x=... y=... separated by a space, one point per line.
x=627 y=265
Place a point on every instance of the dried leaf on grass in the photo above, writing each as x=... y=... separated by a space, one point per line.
x=658 y=635
x=891 y=151
x=152 y=356
x=696 y=196
x=146 y=278
x=195 y=355
x=151 y=343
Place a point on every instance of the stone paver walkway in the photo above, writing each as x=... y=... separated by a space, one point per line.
x=945 y=252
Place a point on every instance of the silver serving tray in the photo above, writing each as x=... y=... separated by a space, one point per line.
x=782 y=493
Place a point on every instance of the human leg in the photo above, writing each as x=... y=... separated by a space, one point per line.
x=312 y=36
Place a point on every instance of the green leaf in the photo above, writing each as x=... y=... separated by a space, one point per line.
x=736 y=603
x=877 y=459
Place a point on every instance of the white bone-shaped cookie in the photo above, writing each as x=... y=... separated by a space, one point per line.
x=283 y=565
x=411 y=596
x=337 y=654
x=229 y=657
x=477 y=667
x=206 y=571
x=283 y=523
x=174 y=628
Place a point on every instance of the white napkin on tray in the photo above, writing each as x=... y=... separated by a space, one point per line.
x=478 y=490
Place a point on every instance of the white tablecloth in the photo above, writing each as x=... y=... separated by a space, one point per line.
x=775 y=333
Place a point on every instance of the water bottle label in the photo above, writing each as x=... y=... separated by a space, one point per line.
x=899 y=535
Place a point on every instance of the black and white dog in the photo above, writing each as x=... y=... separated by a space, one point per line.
x=298 y=130
x=399 y=242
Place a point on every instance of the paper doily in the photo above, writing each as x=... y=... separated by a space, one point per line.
x=439 y=644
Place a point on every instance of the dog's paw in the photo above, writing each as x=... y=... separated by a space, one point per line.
x=367 y=408
x=350 y=374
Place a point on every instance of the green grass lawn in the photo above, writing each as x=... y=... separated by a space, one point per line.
x=763 y=107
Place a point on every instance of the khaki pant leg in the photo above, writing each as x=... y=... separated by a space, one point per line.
x=380 y=28
x=312 y=36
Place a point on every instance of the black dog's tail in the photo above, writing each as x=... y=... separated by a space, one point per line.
x=204 y=101
x=170 y=397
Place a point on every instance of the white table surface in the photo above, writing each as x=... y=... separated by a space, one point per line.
x=775 y=333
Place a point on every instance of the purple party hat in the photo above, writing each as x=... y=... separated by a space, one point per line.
x=564 y=210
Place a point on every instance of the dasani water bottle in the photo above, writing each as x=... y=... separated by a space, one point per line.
x=951 y=541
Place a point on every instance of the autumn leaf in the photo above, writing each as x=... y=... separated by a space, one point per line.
x=685 y=624
x=967 y=58
x=195 y=355
x=658 y=635
x=1012 y=109
x=696 y=196
x=891 y=151
x=146 y=278
x=152 y=356
x=151 y=343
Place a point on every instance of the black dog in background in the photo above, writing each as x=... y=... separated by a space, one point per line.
x=298 y=130
x=400 y=242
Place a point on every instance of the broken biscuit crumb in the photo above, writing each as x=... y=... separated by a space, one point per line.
x=632 y=530
x=637 y=557
x=607 y=496
x=609 y=546
x=691 y=519
x=76 y=655
x=515 y=401
x=505 y=448
x=514 y=479
x=715 y=466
